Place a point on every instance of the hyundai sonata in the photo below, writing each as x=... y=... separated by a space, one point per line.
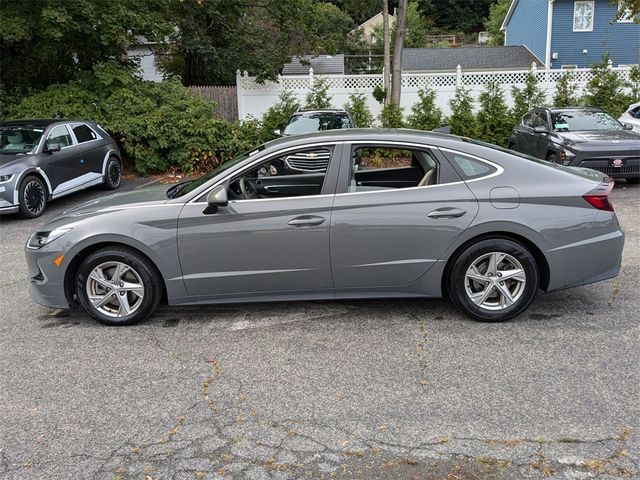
x=337 y=215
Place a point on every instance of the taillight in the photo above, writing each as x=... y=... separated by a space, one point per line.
x=599 y=197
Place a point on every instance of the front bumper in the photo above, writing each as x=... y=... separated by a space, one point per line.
x=8 y=197
x=46 y=280
x=616 y=165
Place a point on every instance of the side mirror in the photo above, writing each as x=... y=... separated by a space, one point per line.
x=276 y=132
x=52 y=147
x=216 y=198
x=627 y=126
x=540 y=130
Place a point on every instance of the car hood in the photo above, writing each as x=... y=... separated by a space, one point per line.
x=11 y=160
x=601 y=137
x=134 y=198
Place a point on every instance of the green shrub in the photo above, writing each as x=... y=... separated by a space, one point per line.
x=606 y=90
x=462 y=120
x=391 y=116
x=526 y=98
x=424 y=114
x=277 y=116
x=379 y=93
x=357 y=108
x=157 y=125
x=318 y=96
x=566 y=87
x=493 y=120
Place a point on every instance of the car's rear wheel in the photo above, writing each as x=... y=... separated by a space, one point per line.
x=494 y=280
x=113 y=174
x=118 y=286
x=33 y=197
x=552 y=157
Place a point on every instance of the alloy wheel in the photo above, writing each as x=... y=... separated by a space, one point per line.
x=115 y=289
x=495 y=281
x=114 y=173
x=34 y=197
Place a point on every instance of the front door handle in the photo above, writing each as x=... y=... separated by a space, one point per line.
x=306 y=221
x=447 y=212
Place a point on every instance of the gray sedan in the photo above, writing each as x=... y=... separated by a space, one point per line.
x=337 y=215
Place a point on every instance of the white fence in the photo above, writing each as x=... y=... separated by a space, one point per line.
x=255 y=98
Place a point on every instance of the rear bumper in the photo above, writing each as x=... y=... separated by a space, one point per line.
x=588 y=261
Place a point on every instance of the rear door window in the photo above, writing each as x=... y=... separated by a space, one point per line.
x=84 y=133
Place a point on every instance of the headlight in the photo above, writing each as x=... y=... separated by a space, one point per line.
x=5 y=178
x=40 y=239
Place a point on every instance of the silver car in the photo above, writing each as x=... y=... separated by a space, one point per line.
x=373 y=213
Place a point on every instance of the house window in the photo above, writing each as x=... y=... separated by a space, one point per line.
x=626 y=14
x=583 y=13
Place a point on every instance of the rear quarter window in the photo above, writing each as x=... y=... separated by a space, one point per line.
x=84 y=133
x=469 y=167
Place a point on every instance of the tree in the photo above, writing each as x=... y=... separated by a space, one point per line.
x=425 y=115
x=497 y=13
x=214 y=38
x=357 y=108
x=396 y=65
x=493 y=120
x=462 y=119
x=627 y=8
x=606 y=90
x=42 y=43
x=318 y=96
x=386 y=83
x=526 y=98
x=391 y=116
x=452 y=15
x=566 y=87
x=277 y=116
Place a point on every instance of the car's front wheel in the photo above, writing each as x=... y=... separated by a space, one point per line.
x=33 y=196
x=494 y=280
x=118 y=286
x=113 y=174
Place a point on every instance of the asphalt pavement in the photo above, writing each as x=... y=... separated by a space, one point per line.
x=380 y=389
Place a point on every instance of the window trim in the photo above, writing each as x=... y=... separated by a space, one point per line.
x=69 y=132
x=77 y=124
x=256 y=161
x=593 y=15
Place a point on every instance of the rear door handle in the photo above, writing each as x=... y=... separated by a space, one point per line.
x=306 y=221
x=447 y=212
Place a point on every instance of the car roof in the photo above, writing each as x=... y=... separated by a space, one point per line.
x=42 y=122
x=367 y=134
x=320 y=110
x=584 y=109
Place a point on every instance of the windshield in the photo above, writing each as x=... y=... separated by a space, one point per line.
x=187 y=187
x=577 y=120
x=316 y=122
x=19 y=138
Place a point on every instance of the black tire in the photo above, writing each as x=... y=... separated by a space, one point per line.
x=112 y=174
x=143 y=267
x=552 y=157
x=459 y=291
x=32 y=196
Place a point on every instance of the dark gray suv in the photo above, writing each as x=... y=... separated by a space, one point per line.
x=45 y=159
x=581 y=136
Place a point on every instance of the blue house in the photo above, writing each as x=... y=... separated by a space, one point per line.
x=572 y=33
